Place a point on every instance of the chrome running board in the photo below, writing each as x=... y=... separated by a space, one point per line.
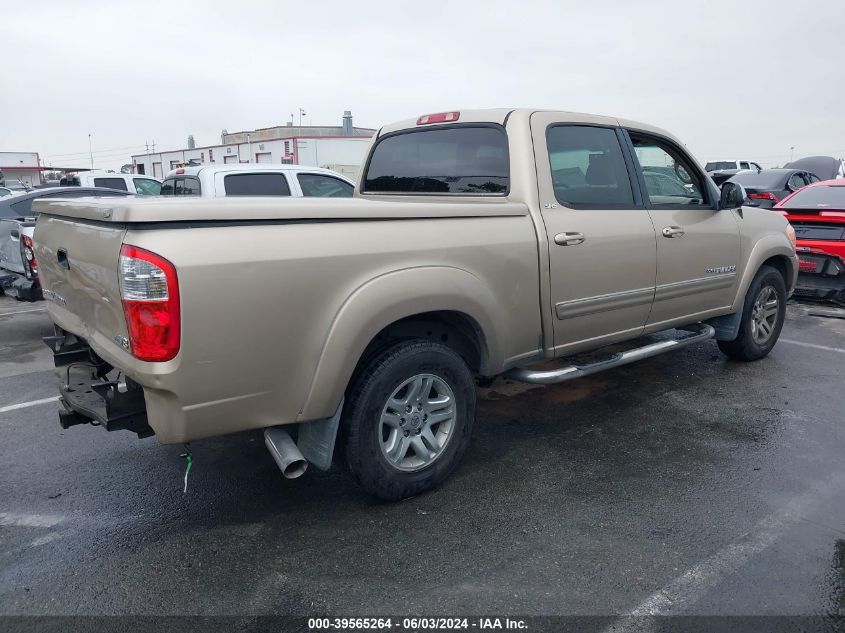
x=700 y=332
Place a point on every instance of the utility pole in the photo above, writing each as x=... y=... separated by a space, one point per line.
x=90 y=150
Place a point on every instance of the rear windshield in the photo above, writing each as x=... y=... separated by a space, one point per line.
x=256 y=185
x=457 y=160
x=819 y=197
x=762 y=180
x=719 y=164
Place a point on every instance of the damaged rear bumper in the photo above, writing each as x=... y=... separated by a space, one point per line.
x=821 y=277
x=88 y=396
x=16 y=285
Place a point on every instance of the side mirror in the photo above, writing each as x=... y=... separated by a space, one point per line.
x=733 y=195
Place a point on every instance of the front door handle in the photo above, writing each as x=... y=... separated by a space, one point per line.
x=672 y=231
x=569 y=239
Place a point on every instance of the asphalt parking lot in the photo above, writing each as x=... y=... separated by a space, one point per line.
x=685 y=484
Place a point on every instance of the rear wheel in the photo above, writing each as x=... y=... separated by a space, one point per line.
x=763 y=314
x=409 y=419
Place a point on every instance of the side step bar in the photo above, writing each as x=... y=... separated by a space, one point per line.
x=700 y=332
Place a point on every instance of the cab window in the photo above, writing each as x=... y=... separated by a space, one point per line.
x=266 y=184
x=464 y=159
x=322 y=186
x=180 y=186
x=588 y=167
x=111 y=183
x=669 y=177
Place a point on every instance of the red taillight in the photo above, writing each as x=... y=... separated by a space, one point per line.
x=149 y=291
x=766 y=195
x=440 y=117
x=28 y=252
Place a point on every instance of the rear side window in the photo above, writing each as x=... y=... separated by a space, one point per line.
x=320 y=186
x=256 y=185
x=111 y=183
x=456 y=160
x=588 y=167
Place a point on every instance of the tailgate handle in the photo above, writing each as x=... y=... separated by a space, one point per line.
x=61 y=257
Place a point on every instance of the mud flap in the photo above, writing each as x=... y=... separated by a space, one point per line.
x=726 y=326
x=316 y=440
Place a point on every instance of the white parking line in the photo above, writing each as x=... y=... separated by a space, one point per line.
x=2 y=314
x=24 y=405
x=838 y=350
x=689 y=587
x=8 y=519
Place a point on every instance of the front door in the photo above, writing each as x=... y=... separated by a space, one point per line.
x=601 y=239
x=698 y=246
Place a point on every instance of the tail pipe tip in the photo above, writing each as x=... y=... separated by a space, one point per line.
x=285 y=452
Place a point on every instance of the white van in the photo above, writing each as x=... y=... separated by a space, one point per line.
x=133 y=183
x=296 y=181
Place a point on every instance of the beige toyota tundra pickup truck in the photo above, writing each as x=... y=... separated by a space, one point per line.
x=478 y=243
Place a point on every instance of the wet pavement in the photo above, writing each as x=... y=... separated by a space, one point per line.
x=685 y=484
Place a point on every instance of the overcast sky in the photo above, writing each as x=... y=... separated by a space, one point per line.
x=745 y=79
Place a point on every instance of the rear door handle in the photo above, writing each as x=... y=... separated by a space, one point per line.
x=569 y=239
x=672 y=231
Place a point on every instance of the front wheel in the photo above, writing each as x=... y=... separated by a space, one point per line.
x=409 y=419
x=763 y=314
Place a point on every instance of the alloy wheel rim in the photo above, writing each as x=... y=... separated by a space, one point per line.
x=764 y=315
x=416 y=422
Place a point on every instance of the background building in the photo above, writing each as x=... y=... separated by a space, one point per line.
x=23 y=166
x=341 y=148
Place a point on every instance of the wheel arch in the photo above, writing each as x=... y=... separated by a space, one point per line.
x=430 y=302
x=772 y=250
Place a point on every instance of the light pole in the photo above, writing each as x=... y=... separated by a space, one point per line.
x=791 y=153
x=90 y=150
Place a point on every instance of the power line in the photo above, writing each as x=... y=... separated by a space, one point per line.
x=112 y=149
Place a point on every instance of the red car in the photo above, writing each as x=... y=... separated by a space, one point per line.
x=817 y=212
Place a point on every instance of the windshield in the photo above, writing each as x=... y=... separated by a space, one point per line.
x=464 y=159
x=819 y=197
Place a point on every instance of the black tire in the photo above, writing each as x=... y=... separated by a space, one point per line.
x=744 y=347
x=366 y=398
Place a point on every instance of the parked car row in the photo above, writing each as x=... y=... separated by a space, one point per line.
x=18 y=268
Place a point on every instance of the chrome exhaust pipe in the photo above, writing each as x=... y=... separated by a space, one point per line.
x=283 y=449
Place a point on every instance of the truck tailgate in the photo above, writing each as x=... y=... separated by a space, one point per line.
x=78 y=262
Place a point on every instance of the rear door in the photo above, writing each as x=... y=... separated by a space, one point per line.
x=601 y=238
x=698 y=246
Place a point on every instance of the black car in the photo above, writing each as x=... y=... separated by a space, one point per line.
x=769 y=186
x=18 y=268
x=825 y=167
